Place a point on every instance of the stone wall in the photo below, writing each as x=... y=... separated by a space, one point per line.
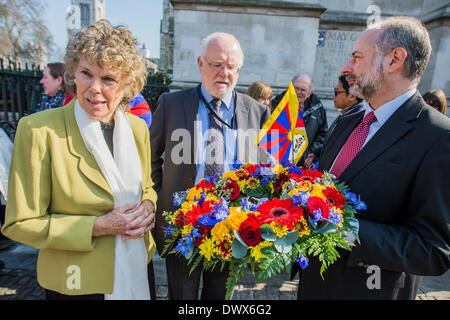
x=280 y=38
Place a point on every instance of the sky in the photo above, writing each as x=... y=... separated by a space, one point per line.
x=142 y=17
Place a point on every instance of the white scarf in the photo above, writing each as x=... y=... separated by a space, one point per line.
x=124 y=176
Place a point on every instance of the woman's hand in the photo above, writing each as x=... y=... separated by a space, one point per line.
x=130 y=221
x=143 y=223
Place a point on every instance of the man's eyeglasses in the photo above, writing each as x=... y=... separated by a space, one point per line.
x=302 y=90
x=217 y=66
x=338 y=92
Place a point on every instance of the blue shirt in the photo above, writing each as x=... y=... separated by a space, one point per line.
x=202 y=125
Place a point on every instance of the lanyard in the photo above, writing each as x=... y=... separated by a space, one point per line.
x=215 y=115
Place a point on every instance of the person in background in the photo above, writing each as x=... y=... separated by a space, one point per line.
x=346 y=103
x=436 y=99
x=72 y=192
x=54 y=87
x=261 y=92
x=139 y=107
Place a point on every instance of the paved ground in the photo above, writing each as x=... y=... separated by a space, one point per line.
x=18 y=280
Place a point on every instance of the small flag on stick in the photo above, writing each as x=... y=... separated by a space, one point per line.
x=284 y=134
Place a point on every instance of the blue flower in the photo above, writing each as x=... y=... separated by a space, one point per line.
x=179 y=197
x=196 y=234
x=237 y=165
x=302 y=261
x=300 y=199
x=169 y=231
x=351 y=197
x=334 y=217
x=361 y=205
x=207 y=220
x=184 y=246
x=220 y=210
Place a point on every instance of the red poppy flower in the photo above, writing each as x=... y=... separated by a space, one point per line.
x=281 y=211
x=334 y=198
x=308 y=175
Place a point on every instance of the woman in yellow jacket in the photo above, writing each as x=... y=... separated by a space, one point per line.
x=80 y=187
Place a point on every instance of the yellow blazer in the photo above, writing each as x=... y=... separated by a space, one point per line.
x=55 y=192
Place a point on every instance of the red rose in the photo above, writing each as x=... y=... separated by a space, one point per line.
x=316 y=203
x=250 y=231
x=235 y=191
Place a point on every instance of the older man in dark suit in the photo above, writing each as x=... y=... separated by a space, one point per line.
x=401 y=171
x=201 y=132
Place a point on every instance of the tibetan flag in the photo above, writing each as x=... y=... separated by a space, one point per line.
x=284 y=134
x=139 y=107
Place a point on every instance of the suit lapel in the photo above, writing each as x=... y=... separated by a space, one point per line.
x=337 y=139
x=86 y=161
x=396 y=127
x=190 y=107
x=242 y=111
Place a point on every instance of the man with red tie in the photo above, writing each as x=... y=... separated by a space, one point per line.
x=395 y=154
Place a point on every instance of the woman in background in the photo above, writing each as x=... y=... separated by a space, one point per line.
x=436 y=99
x=261 y=92
x=54 y=88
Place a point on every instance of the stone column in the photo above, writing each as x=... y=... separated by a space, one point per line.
x=278 y=38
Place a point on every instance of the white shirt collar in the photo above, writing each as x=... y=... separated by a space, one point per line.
x=384 y=112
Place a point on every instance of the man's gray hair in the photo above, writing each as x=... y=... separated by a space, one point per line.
x=217 y=35
x=307 y=77
x=407 y=33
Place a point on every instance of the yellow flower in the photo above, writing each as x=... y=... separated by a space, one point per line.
x=187 y=229
x=317 y=191
x=207 y=248
x=236 y=217
x=279 y=229
x=252 y=183
x=231 y=174
x=303 y=185
x=220 y=230
x=255 y=251
x=302 y=227
x=194 y=193
x=186 y=206
x=177 y=214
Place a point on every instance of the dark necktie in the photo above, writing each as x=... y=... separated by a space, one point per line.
x=353 y=145
x=214 y=162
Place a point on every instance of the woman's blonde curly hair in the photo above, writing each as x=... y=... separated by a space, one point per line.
x=110 y=46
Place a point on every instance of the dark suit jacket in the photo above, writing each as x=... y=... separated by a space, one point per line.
x=403 y=175
x=178 y=111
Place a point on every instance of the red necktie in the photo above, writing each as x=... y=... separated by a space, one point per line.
x=353 y=145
